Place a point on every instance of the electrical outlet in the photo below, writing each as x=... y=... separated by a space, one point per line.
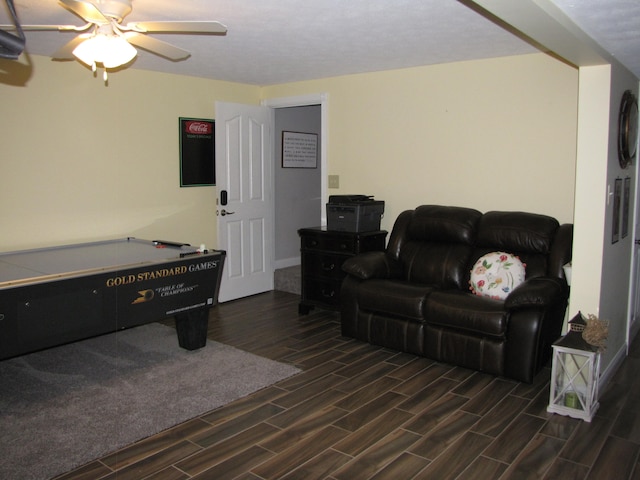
x=334 y=181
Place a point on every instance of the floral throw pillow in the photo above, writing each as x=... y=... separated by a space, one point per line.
x=496 y=274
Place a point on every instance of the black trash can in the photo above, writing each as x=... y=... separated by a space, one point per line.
x=192 y=328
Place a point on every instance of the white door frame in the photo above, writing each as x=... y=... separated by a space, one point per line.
x=321 y=99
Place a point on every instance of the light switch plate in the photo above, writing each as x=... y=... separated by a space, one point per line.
x=334 y=181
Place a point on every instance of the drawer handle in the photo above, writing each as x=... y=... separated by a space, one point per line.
x=328 y=293
x=313 y=243
x=328 y=267
x=343 y=246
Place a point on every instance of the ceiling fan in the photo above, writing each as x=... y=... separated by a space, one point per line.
x=109 y=43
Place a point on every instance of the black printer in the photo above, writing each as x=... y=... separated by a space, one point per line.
x=354 y=213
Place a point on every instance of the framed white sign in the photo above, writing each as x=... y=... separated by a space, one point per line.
x=299 y=150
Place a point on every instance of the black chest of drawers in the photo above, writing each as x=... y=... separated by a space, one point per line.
x=322 y=254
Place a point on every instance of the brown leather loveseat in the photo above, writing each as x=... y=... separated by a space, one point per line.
x=415 y=297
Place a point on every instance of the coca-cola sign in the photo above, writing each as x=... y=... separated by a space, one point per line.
x=196 y=127
x=197 y=152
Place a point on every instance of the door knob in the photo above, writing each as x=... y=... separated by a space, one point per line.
x=223 y=212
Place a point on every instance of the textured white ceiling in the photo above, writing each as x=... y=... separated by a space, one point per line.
x=614 y=24
x=277 y=41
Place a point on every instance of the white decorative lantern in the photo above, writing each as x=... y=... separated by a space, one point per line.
x=574 y=374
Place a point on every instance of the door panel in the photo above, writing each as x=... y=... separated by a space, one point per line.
x=257 y=235
x=257 y=175
x=234 y=237
x=245 y=225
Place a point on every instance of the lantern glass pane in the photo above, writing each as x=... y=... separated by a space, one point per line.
x=575 y=370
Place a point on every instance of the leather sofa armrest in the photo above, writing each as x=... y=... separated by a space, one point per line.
x=372 y=265
x=537 y=292
x=561 y=250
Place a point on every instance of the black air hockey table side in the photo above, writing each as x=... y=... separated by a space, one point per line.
x=52 y=296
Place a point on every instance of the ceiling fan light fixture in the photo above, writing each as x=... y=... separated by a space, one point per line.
x=111 y=51
x=120 y=52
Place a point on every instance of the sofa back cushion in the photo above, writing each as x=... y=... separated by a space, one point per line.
x=529 y=236
x=437 y=244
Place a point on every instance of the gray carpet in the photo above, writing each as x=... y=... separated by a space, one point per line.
x=288 y=279
x=63 y=407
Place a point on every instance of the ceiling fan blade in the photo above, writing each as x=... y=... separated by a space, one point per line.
x=53 y=28
x=156 y=46
x=85 y=10
x=65 y=52
x=179 y=27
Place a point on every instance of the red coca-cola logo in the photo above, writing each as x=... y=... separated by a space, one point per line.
x=198 y=128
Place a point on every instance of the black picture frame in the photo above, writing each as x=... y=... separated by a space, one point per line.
x=625 y=206
x=197 y=152
x=615 y=219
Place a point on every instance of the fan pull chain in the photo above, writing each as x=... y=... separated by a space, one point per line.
x=105 y=76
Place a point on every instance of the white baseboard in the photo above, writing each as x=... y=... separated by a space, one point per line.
x=612 y=368
x=633 y=330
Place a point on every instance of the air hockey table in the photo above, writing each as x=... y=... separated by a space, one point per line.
x=52 y=296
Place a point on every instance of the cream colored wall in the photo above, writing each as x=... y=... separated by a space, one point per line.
x=489 y=134
x=81 y=161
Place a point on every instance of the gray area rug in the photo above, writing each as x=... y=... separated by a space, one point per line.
x=65 y=406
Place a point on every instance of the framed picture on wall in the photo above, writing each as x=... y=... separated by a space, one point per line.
x=197 y=152
x=615 y=218
x=299 y=150
x=625 y=206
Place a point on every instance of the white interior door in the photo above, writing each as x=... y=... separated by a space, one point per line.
x=244 y=179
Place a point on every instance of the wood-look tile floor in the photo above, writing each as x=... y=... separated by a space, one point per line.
x=363 y=412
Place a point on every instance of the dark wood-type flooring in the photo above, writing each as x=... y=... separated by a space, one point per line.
x=363 y=412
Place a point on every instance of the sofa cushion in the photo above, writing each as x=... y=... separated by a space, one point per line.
x=517 y=232
x=530 y=236
x=496 y=274
x=443 y=264
x=436 y=244
x=394 y=298
x=466 y=312
x=437 y=223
